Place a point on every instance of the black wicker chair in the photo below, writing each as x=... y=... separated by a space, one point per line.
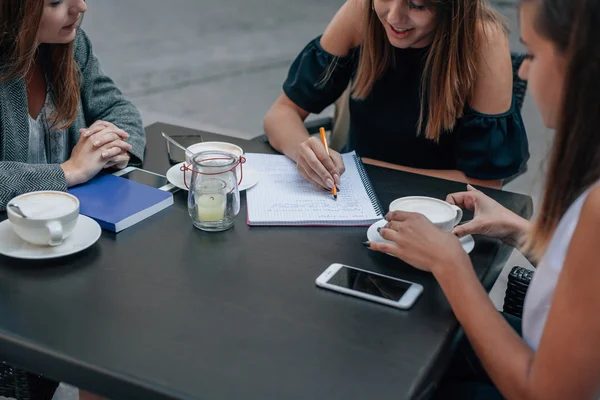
x=18 y=384
x=514 y=298
x=519 y=85
x=519 y=92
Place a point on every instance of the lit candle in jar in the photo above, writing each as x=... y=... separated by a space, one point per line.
x=211 y=207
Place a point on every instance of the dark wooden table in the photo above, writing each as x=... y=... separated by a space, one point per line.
x=165 y=311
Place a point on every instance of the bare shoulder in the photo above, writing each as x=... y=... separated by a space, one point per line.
x=591 y=207
x=492 y=93
x=345 y=30
x=578 y=283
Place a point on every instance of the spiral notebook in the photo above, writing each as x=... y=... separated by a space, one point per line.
x=283 y=197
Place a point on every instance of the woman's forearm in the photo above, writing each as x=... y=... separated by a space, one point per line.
x=519 y=227
x=452 y=175
x=285 y=129
x=17 y=178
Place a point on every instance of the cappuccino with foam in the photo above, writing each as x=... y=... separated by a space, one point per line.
x=46 y=205
x=444 y=215
x=49 y=217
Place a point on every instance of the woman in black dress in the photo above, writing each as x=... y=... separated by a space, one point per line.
x=431 y=90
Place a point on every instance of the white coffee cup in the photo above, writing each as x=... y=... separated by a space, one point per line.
x=443 y=215
x=50 y=217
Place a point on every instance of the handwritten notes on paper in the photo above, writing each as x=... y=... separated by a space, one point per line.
x=283 y=197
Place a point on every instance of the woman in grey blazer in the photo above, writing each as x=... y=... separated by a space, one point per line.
x=61 y=119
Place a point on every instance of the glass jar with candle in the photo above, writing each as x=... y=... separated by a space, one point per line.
x=214 y=197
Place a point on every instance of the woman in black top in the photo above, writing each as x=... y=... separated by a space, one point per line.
x=431 y=85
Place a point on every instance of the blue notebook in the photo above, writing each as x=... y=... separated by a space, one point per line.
x=118 y=203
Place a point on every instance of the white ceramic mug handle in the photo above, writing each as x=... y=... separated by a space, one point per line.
x=459 y=214
x=56 y=233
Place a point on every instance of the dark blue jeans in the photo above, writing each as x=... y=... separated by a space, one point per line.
x=466 y=378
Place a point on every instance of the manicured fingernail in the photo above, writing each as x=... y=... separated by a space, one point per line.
x=337 y=179
x=329 y=183
x=367 y=245
x=104 y=155
x=96 y=144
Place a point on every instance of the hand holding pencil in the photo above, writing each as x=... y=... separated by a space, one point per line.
x=318 y=165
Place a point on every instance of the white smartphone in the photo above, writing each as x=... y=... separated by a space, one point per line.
x=370 y=286
x=147 y=178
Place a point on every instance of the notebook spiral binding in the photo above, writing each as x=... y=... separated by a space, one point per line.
x=368 y=185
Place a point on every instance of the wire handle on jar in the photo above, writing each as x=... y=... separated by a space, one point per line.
x=241 y=161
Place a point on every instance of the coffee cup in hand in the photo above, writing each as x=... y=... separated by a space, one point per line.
x=443 y=215
x=47 y=219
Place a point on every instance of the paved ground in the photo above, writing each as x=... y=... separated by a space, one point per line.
x=218 y=65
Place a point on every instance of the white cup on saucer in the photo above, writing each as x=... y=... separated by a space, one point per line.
x=50 y=217
x=442 y=214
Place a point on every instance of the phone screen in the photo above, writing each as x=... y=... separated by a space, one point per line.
x=146 y=178
x=365 y=282
x=188 y=140
x=177 y=155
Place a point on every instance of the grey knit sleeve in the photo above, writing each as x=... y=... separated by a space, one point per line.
x=102 y=100
x=17 y=178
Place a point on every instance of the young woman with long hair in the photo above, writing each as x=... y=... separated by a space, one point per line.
x=555 y=353
x=430 y=86
x=61 y=119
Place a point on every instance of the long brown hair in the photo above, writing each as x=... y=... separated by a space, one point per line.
x=19 y=22
x=574 y=27
x=451 y=66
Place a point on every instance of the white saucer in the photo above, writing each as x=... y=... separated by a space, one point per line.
x=86 y=233
x=468 y=243
x=175 y=177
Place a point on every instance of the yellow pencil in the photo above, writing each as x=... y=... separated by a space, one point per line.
x=324 y=140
